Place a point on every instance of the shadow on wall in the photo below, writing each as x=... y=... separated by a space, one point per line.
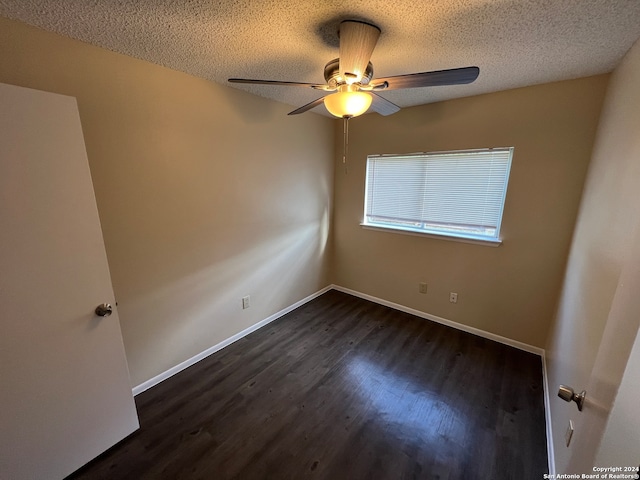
x=584 y=305
x=209 y=301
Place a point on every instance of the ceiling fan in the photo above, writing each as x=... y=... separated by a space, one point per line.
x=350 y=76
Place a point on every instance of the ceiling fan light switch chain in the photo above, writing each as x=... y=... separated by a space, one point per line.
x=345 y=143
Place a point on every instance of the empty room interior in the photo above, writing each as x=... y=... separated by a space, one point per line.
x=273 y=305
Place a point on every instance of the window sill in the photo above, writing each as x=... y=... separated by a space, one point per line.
x=443 y=236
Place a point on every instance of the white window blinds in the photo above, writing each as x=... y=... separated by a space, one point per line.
x=459 y=193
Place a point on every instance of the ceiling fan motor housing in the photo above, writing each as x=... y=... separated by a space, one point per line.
x=334 y=79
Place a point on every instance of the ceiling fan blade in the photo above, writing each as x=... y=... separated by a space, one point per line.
x=454 y=76
x=272 y=82
x=357 y=41
x=307 y=107
x=382 y=105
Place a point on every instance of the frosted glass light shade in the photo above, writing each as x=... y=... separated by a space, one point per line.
x=348 y=104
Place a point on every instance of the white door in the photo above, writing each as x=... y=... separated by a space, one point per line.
x=65 y=394
x=598 y=440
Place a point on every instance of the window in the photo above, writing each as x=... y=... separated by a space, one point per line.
x=457 y=194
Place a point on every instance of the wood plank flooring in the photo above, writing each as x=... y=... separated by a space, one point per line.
x=342 y=388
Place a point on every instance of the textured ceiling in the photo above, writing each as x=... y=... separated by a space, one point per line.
x=514 y=42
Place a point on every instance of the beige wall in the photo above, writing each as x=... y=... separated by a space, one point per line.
x=511 y=290
x=205 y=193
x=597 y=318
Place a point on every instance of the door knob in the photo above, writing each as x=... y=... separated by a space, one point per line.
x=567 y=394
x=104 y=310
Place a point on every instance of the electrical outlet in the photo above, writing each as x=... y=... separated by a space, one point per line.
x=246 y=302
x=569 y=433
x=453 y=297
x=422 y=287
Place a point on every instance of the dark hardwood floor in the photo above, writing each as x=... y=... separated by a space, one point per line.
x=342 y=388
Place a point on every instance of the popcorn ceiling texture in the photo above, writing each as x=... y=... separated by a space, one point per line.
x=514 y=42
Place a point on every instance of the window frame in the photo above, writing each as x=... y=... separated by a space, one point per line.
x=434 y=233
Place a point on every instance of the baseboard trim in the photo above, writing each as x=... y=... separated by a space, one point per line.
x=547 y=417
x=450 y=323
x=481 y=333
x=211 y=350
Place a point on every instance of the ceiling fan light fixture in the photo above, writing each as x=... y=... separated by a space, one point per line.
x=351 y=77
x=348 y=103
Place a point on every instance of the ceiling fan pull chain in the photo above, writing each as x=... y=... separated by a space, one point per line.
x=345 y=143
